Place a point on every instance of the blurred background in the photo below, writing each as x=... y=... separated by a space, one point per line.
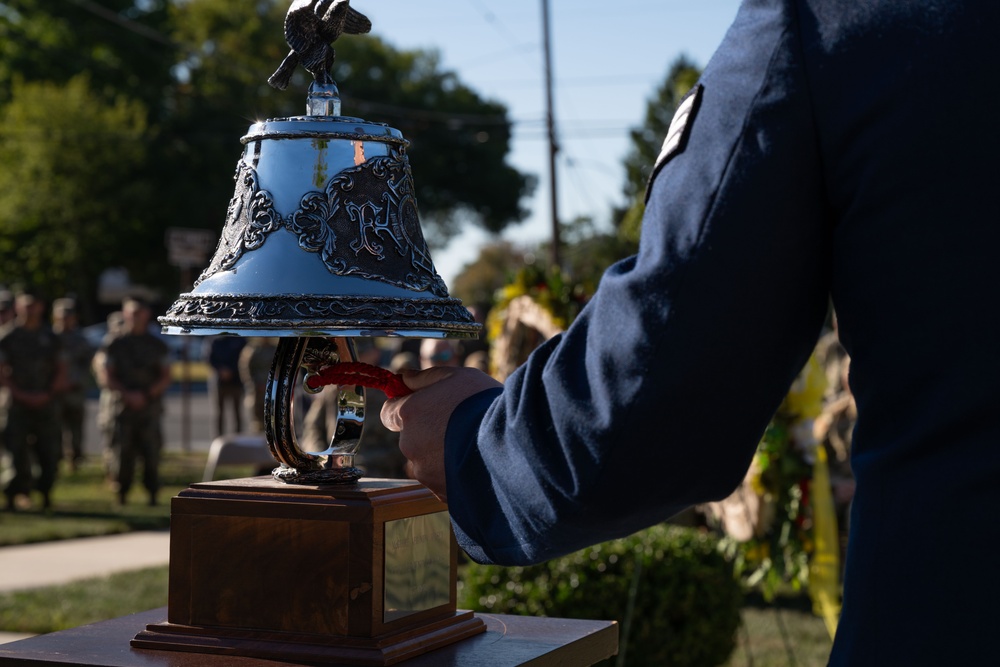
x=121 y=122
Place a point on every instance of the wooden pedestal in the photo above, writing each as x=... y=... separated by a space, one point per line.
x=360 y=575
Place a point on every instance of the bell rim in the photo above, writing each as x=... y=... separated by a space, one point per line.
x=318 y=315
x=314 y=332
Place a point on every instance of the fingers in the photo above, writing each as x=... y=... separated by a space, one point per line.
x=390 y=414
x=419 y=379
x=457 y=383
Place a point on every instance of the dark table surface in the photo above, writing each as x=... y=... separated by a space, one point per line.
x=509 y=641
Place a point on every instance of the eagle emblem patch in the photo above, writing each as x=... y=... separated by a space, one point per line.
x=680 y=129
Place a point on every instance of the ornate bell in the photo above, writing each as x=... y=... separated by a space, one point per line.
x=322 y=238
x=322 y=242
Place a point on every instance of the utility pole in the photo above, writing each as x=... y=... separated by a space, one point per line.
x=550 y=120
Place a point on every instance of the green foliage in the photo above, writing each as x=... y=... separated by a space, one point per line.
x=121 y=44
x=478 y=282
x=69 y=204
x=648 y=139
x=669 y=587
x=776 y=558
x=587 y=253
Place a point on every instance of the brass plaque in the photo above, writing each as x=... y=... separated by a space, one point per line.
x=417 y=565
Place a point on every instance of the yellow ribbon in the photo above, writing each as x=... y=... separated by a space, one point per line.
x=824 y=566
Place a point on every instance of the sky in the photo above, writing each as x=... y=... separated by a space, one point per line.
x=607 y=60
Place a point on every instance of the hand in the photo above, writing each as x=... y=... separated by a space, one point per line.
x=421 y=418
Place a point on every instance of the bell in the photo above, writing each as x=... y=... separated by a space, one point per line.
x=322 y=242
x=322 y=238
x=321 y=245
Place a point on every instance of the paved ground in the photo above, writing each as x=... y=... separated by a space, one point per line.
x=51 y=563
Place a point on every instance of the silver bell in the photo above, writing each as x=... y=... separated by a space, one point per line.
x=322 y=243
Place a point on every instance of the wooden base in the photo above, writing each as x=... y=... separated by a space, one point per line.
x=387 y=650
x=360 y=575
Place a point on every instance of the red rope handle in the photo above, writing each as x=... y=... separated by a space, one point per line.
x=357 y=373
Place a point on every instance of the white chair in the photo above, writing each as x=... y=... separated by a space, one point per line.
x=237 y=449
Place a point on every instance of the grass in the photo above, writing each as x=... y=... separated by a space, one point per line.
x=49 y=609
x=782 y=634
x=83 y=504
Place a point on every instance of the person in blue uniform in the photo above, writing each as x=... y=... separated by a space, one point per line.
x=843 y=150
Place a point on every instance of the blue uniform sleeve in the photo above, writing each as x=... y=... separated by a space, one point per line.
x=655 y=397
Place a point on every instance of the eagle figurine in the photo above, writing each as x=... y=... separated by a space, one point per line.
x=311 y=27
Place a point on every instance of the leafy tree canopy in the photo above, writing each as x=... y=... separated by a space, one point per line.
x=68 y=203
x=121 y=44
x=587 y=253
x=647 y=139
x=198 y=71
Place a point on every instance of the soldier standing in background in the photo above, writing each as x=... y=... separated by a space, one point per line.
x=79 y=355
x=137 y=372
x=32 y=368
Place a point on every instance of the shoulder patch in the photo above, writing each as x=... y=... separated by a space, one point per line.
x=680 y=129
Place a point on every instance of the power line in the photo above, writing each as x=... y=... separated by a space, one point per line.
x=124 y=22
x=497 y=25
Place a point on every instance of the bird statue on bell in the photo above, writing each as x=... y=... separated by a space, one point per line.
x=311 y=27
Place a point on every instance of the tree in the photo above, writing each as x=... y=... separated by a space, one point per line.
x=588 y=252
x=122 y=45
x=647 y=140
x=477 y=282
x=198 y=69
x=69 y=206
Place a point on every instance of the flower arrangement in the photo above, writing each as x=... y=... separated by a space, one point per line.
x=781 y=475
x=793 y=543
x=534 y=306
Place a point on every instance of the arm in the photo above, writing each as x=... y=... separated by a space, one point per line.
x=158 y=388
x=655 y=398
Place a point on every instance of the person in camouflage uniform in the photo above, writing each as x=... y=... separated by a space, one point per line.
x=105 y=418
x=137 y=372
x=79 y=354
x=34 y=372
